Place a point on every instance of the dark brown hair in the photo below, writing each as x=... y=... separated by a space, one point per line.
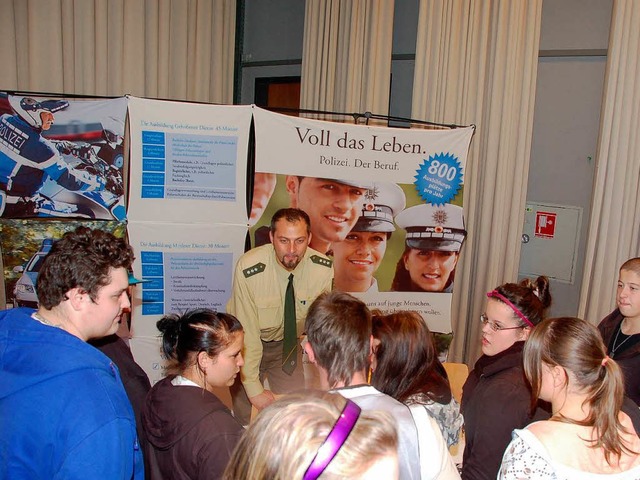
x=199 y=330
x=531 y=298
x=80 y=259
x=577 y=347
x=338 y=327
x=407 y=361
x=291 y=215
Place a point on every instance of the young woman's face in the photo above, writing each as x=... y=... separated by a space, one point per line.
x=628 y=294
x=224 y=367
x=500 y=314
x=430 y=269
x=358 y=256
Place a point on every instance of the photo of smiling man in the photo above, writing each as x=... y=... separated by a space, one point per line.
x=358 y=256
x=433 y=240
x=333 y=206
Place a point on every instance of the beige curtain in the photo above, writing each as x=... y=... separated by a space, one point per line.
x=615 y=215
x=346 y=58
x=476 y=63
x=177 y=49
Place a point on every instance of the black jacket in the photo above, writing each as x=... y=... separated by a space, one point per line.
x=496 y=399
x=190 y=433
x=628 y=359
x=135 y=380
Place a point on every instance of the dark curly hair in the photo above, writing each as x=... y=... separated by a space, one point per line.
x=80 y=259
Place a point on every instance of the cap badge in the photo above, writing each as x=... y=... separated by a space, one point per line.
x=440 y=217
x=370 y=196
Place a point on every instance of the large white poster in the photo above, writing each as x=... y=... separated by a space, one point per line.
x=188 y=161
x=184 y=266
x=385 y=203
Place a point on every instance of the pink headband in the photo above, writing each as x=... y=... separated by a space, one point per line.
x=498 y=295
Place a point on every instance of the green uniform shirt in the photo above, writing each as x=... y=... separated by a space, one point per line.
x=257 y=300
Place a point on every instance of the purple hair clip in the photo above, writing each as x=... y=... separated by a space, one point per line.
x=334 y=441
x=498 y=295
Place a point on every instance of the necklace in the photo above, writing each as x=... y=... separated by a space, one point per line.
x=614 y=347
x=41 y=319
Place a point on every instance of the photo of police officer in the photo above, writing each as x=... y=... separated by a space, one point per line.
x=333 y=206
x=45 y=174
x=358 y=256
x=434 y=236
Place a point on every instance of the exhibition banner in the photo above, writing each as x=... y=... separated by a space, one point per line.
x=384 y=203
x=61 y=158
x=188 y=162
x=183 y=266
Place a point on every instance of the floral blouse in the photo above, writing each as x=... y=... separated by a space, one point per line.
x=448 y=417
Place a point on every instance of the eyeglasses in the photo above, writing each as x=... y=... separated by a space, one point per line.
x=494 y=326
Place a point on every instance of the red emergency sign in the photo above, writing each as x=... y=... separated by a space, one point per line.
x=545 y=224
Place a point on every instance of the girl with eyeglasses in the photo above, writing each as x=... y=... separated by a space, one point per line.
x=496 y=398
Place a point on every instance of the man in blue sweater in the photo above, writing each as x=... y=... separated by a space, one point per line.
x=63 y=410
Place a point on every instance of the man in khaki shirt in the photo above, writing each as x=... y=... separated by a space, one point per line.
x=257 y=300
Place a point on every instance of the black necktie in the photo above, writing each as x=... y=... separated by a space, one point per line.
x=290 y=342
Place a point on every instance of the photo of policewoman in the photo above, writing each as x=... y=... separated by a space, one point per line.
x=433 y=233
x=434 y=236
x=357 y=258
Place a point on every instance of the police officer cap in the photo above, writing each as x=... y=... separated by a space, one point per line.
x=431 y=227
x=382 y=202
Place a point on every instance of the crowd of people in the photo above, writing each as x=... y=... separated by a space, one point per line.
x=548 y=398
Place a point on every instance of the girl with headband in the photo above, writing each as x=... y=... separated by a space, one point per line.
x=304 y=436
x=496 y=398
x=589 y=435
